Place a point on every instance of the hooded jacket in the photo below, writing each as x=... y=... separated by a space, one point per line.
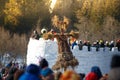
x=31 y=73
x=95 y=74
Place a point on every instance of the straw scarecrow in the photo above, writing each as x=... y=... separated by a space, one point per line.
x=65 y=57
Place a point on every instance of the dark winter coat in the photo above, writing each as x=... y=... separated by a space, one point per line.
x=114 y=74
x=32 y=73
x=29 y=76
x=73 y=44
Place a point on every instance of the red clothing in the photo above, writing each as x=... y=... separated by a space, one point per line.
x=91 y=76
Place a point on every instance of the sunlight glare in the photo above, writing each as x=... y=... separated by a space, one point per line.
x=53 y=2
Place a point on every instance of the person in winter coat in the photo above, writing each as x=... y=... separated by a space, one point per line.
x=11 y=74
x=89 y=46
x=31 y=73
x=111 y=45
x=18 y=73
x=118 y=45
x=95 y=74
x=97 y=46
x=80 y=45
x=35 y=35
x=46 y=73
x=114 y=73
x=73 y=44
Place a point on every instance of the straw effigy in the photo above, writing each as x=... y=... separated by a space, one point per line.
x=65 y=57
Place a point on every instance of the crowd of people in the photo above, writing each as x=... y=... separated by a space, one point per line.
x=73 y=42
x=44 y=72
x=97 y=44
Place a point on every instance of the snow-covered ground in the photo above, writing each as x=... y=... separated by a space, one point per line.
x=48 y=49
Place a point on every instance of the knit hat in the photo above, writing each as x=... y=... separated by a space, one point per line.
x=96 y=70
x=33 y=69
x=45 y=72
